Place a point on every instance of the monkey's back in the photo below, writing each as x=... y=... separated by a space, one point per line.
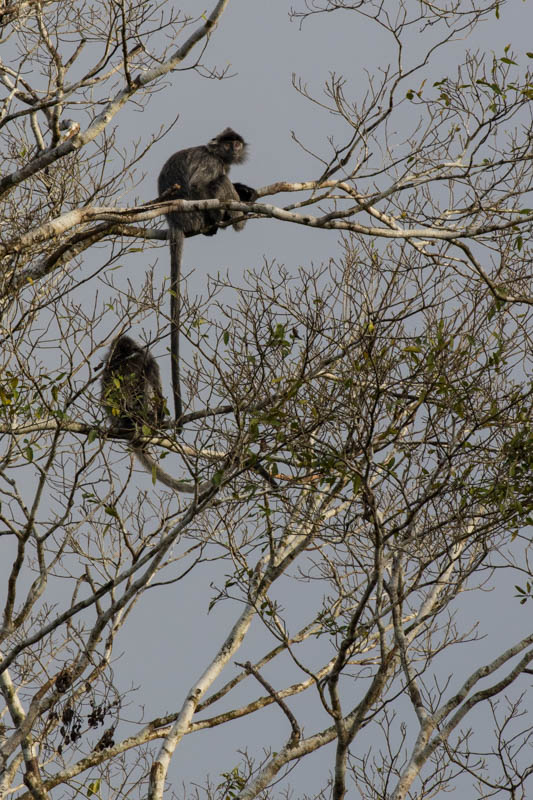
x=131 y=386
x=190 y=174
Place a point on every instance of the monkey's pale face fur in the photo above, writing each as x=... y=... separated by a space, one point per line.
x=229 y=146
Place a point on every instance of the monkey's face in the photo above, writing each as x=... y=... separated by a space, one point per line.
x=239 y=151
x=234 y=151
x=229 y=146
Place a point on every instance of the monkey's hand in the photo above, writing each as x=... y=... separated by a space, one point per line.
x=246 y=193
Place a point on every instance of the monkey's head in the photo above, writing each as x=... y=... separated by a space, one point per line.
x=122 y=349
x=229 y=146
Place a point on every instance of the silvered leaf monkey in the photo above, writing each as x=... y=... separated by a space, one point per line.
x=199 y=173
x=133 y=398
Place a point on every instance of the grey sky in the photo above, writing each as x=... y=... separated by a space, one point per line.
x=263 y=50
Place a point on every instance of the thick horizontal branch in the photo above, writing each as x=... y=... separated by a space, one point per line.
x=331 y=221
x=52 y=425
x=105 y=434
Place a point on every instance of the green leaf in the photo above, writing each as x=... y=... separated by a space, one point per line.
x=93 y=788
x=92 y=436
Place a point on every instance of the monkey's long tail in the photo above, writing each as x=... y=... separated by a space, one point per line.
x=176 y=254
x=156 y=471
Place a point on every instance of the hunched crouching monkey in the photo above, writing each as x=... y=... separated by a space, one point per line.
x=132 y=396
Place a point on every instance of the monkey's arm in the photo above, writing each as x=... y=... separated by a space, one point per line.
x=246 y=193
x=204 y=172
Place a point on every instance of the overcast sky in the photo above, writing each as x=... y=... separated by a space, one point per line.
x=264 y=50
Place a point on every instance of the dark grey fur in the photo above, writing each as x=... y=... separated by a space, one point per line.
x=133 y=397
x=132 y=394
x=198 y=173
